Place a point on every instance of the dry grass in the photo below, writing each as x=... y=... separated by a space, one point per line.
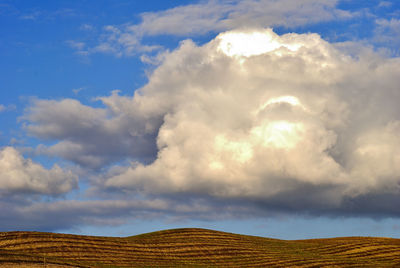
x=194 y=248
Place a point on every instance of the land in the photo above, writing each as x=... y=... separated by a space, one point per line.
x=192 y=247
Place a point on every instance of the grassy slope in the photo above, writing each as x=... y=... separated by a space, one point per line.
x=194 y=247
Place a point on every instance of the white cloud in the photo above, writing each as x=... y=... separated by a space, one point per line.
x=18 y=174
x=86 y=27
x=224 y=133
x=32 y=16
x=76 y=45
x=77 y=90
x=295 y=123
x=93 y=137
x=221 y=15
x=385 y=4
x=376 y=158
x=214 y=16
x=388 y=32
x=10 y=107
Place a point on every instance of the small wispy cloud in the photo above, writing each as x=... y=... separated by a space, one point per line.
x=44 y=14
x=86 y=27
x=10 y=107
x=31 y=16
x=76 y=45
x=384 y=4
x=64 y=12
x=77 y=90
x=80 y=48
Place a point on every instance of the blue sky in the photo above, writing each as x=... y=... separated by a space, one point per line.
x=277 y=119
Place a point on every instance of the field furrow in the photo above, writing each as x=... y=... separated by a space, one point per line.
x=193 y=248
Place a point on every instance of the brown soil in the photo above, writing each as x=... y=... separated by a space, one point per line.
x=193 y=248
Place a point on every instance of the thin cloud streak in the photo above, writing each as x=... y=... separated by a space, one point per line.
x=212 y=16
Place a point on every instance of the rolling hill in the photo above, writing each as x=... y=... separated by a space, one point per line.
x=194 y=248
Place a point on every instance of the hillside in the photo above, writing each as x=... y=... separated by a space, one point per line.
x=192 y=247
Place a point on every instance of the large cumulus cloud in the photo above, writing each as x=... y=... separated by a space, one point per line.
x=287 y=122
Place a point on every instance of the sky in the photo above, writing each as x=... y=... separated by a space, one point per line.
x=260 y=117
